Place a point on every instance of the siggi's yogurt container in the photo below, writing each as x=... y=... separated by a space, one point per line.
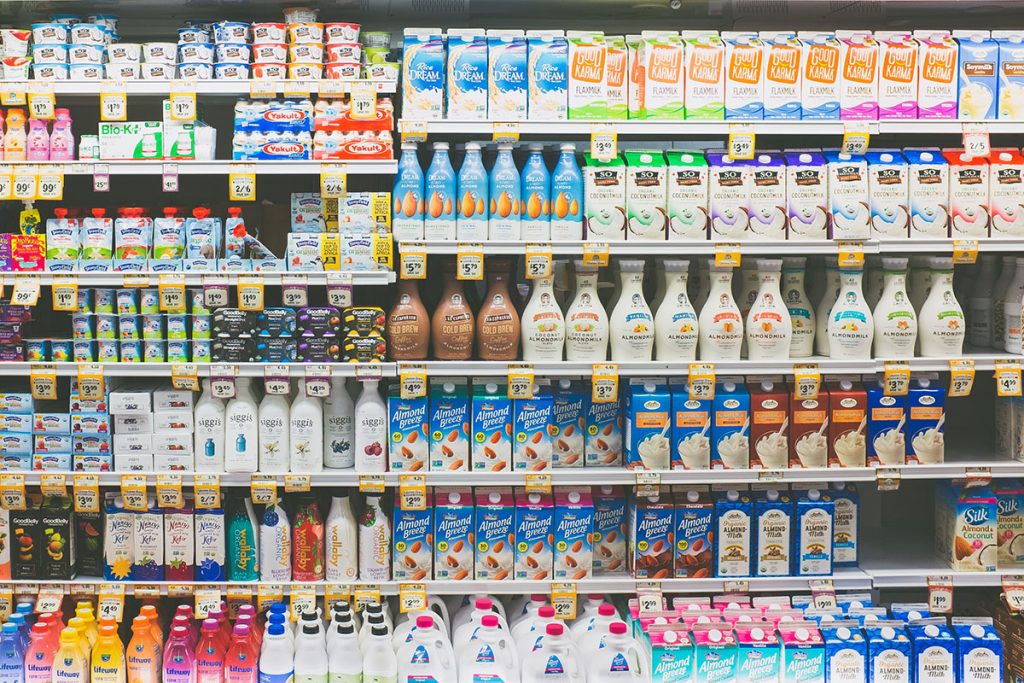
x=49 y=33
x=268 y=33
x=231 y=32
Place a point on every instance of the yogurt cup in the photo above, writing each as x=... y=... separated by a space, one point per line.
x=294 y=15
x=306 y=52
x=231 y=72
x=49 y=33
x=46 y=72
x=232 y=53
x=88 y=34
x=15 y=42
x=385 y=71
x=308 y=32
x=343 y=71
x=269 y=33
x=271 y=71
x=195 y=71
x=157 y=71
x=86 y=72
x=36 y=350
x=201 y=24
x=122 y=71
x=49 y=53
x=375 y=55
x=107 y=21
x=192 y=34
x=306 y=71
x=162 y=53
x=195 y=53
x=60 y=350
x=341 y=32
x=231 y=32
x=124 y=53
x=266 y=53
x=85 y=54
x=377 y=39
x=344 y=52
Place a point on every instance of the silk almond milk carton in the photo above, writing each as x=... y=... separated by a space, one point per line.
x=744 y=75
x=858 y=83
x=819 y=69
x=661 y=64
x=782 y=80
x=705 y=75
x=897 y=75
x=937 y=78
x=1010 y=510
x=588 y=75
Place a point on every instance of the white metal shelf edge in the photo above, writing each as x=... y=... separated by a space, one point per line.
x=229 y=88
x=196 y=278
x=164 y=369
x=214 y=167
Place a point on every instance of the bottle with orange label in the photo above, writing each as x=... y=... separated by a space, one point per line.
x=536 y=196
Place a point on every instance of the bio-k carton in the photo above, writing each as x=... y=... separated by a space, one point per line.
x=493 y=533
x=782 y=78
x=744 y=75
x=574 y=532
x=533 y=531
x=820 y=72
x=588 y=75
x=705 y=75
x=979 y=75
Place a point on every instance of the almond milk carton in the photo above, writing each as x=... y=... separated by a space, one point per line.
x=453 y=534
x=705 y=75
x=819 y=69
x=897 y=75
x=662 y=93
x=493 y=533
x=858 y=82
x=588 y=75
x=533 y=531
x=744 y=75
x=966 y=527
x=617 y=60
x=574 y=533
x=782 y=79
x=936 y=76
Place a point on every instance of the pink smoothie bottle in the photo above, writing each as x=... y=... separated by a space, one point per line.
x=62 y=140
x=179 y=657
x=38 y=144
x=39 y=655
x=210 y=654
x=241 y=664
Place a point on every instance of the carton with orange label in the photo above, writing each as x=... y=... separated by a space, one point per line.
x=819 y=69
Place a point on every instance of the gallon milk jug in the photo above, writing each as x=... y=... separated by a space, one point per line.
x=490 y=656
x=379 y=662
x=463 y=633
x=426 y=656
x=618 y=658
x=531 y=639
x=310 y=653
x=344 y=658
x=276 y=656
x=554 y=659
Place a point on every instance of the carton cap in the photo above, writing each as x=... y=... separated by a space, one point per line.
x=715 y=636
x=757 y=633
x=843 y=633
x=692 y=496
x=814 y=494
x=733 y=495
x=931 y=630
x=977 y=630
x=802 y=634
x=772 y=495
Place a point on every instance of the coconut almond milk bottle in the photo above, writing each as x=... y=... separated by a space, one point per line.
x=720 y=324
x=586 y=323
x=769 y=327
x=895 y=320
x=850 y=324
x=942 y=319
x=631 y=325
x=675 y=323
x=801 y=313
x=543 y=328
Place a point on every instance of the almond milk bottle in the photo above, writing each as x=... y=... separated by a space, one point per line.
x=675 y=323
x=895 y=320
x=801 y=313
x=828 y=299
x=720 y=324
x=543 y=326
x=586 y=334
x=631 y=325
x=942 y=319
x=769 y=327
x=850 y=324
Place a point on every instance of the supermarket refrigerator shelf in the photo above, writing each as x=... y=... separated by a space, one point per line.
x=226 y=88
x=197 y=278
x=214 y=167
x=909 y=564
x=363 y=370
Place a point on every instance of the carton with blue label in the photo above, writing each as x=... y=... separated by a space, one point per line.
x=694 y=530
x=671 y=653
x=1011 y=74
x=886 y=431
x=926 y=415
x=609 y=529
x=814 y=534
x=846 y=652
x=691 y=429
x=547 y=59
x=979 y=650
x=928 y=189
x=934 y=650
x=453 y=534
x=845 y=547
x=533 y=443
x=423 y=73
x=411 y=536
x=494 y=516
x=449 y=425
x=734 y=534
x=533 y=530
x=491 y=427
x=507 y=78
x=604 y=435
x=979 y=75
x=782 y=82
x=574 y=533
x=889 y=652
x=731 y=423
x=467 y=73
x=647 y=421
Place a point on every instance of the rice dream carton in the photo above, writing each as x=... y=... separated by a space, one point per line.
x=423 y=73
x=547 y=63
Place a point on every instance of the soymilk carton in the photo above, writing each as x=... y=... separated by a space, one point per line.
x=897 y=75
x=848 y=195
x=766 y=204
x=807 y=195
x=547 y=59
x=453 y=533
x=730 y=422
x=782 y=79
x=648 y=415
x=494 y=538
x=819 y=93
x=507 y=75
x=937 y=80
x=588 y=75
x=534 y=520
x=574 y=533
x=659 y=63
x=449 y=425
x=646 y=195
x=691 y=427
x=1006 y=172
x=705 y=75
x=979 y=650
x=744 y=75
x=979 y=77
x=423 y=73
x=888 y=193
x=687 y=195
x=609 y=529
x=617 y=88
x=858 y=84
x=1011 y=75
x=604 y=198
x=492 y=427
x=803 y=650
x=730 y=183
x=968 y=194
x=468 y=82
x=412 y=534
x=1010 y=521
x=928 y=189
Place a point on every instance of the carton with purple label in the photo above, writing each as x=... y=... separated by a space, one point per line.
x=453 y=533
x=491 y=427
x=897 y=75
x=729 y=186
x=766 y=204
x=533 y=442
x=937 y=74
x=574 y=529
x=759 y=656
x=609 y=529
x=569 y=422
x=846 y=652
x=979 y=650
x=803 y=648
x=494 y=515
x=411 y=536
x=449 y=425
x=648 y=419
x=858 y=82
x=715 y=653
x=807 y=194
x=534 y=520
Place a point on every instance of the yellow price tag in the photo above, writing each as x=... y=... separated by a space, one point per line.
x=91 y=386
x=741 y=141
x=267 y=594
x=41 y=103
x=6 y=183
x=851 y=254
x=961 y=377
x=183 y=102
x=53 y=484
x=50 y=184
x=250 y=294
x=520 y=380
x=262 y=89
x=297 y=89
x=207 y=599
x=185 y=376
x=701 y=381
x=505 y=131
x=65 y=293
x=856 y=138
x=171 y=289
x=297 y=483
x=412 y=381
x=413 y=131
x=362 y=101
x=13 y=94
x=113 y=102
x=965 y=251
x=412 y=597
x=168 y=491
x=469 y=261
x=538 y=483
x=604 y=143
x=43 y=380
x=976 y=140
x=302 y=599
x=133 y=492
x=26 y=184
x=563 y=600
x=1008 y=378
x=412 y=261
x=807 y=381
x=604 y=384
x=242 y=186
x=110 y=604
x=727 y=255
x=595 y=254
x=207 y=491
x=538 y=261
x=412 y=492
x=12 y=491
x=333 y=181
x=263 y=489
x=371 y=483
x=896 y=378
x=87 y=492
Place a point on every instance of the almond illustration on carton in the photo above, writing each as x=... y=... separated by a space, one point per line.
x=962 y=548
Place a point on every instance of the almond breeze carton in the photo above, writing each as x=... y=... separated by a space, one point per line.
x=574 y=533
x=449 y=425
x=820 y=75
x=588 y=75
x=782 y=81
x=807 y=195
x=423 y=73
x=412 y=535
x=687 y=195
x=715 y=653
x=660 y=57
x=453 y=533
x=744 y=75
x=507 y=75
x=467 y=73
x=979 y=650
x=937 y=79
x=671 y=653
x=897 y=75
x=609 y=529
x=650 y=541
x=533 y=442
x=928 y=189
x=858 y=84
x=803 y=650
x=547 y=60
x=979 y=78
x=694 y=529
x=705 y=75
x=569 y=423
x=1011 y=75
x=759 y=654
x=492 y=427
x=534 y=520
x=494 y=515
x=409 y=443
x=604 y=435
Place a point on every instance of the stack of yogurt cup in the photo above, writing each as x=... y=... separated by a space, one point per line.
x=214 y=50
x=62 y=49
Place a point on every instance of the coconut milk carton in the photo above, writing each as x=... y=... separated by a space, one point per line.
x=889 y=652
x=966 y=527
x=730 y=183
x=423 y=73
x=715 y=653
x=1010 y=510
x=659 y=75
x=773 y=512
x=453 y=533
x=494 y=515
x=888 y=191
x=705 y=75
x=766 y=205
x=609 y=529
x=979 y=77
x=1011 y=75
x=820 y=75
x=1006 y=171
x=807 y=195
x=782 y=80
x=534 y=521
x=934 y=651
x=687 y=195
x=848 y=195
x=734 y=515
x=897 y=75
x=744 y=75
x=588 y=75
x=507 y=75
x=968 y=194
x=548 y=75
x=937 y=75
x=928 y=189
x=858 y=83
x=604 y=194
x=646 y=195
x=979 y=650
x=846 y=652
x=803 y=649
x=467 y=73
x=759 y=654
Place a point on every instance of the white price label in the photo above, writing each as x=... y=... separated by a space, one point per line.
x=276 y=380
x=318 y=381
x=169 y=178
x=976 y=140
x=363 y=101
x=604 y=144
x=295 y=291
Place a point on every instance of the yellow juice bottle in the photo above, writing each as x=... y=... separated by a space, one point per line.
x=108 y=662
